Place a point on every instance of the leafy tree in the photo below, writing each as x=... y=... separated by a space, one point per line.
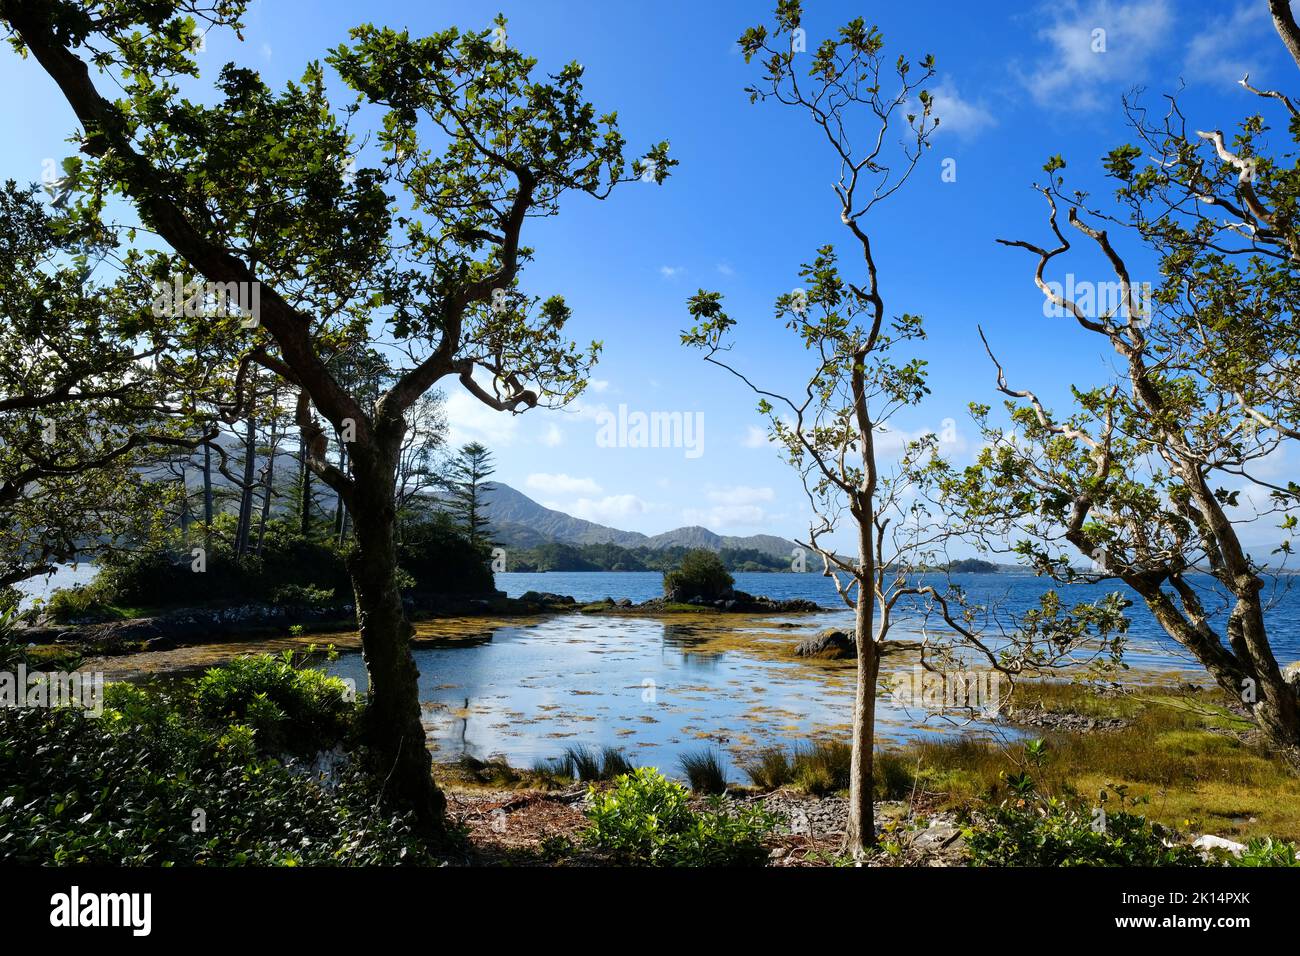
x=827 y=429
x=1156 y=477
x=92 y=398
x=701 y=574
x=422 y=251
x=467 y=473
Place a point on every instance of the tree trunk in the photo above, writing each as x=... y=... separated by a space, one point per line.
x=207 y=498
x=268 y=489
x=246 y=490
x=391 y=725
x=304 y=485
x=860 y=835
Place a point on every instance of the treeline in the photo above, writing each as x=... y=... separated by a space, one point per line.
x=555 y=556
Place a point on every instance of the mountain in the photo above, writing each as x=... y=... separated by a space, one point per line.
x=518 y=521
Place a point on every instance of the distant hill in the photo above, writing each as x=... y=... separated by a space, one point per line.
x=520 y=522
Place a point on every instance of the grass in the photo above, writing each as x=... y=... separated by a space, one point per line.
x=705 y=770
x=819 y=768
x=1184 y=752
x=585 y=764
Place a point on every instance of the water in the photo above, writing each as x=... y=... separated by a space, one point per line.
x=1149 y=648
x=659 y=688
x=528 y=688
x=653 y=688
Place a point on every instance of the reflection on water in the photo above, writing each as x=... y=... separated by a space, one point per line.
x=654 y=688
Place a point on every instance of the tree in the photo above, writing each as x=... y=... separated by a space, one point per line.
x=1157 y=476
x=417 y=467
x=827 y=429
x=92 y=398
x=467 y=472
x=700 y=574
x=259 y=194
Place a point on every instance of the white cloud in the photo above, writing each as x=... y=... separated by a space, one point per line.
x=1228 y=47
x=741 y=495
x=561 y=484
x=606 y=510
x=725 y=269
x=671 y=272
x=553 y=436
x=598 y=385
x=733 y=507
x=1097 y=48
x=755 y=437
x=958 y=115
x=470 y=420
x=727 y=517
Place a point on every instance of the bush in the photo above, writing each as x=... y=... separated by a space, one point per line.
x=302 y=596
x=701 y=574
x=77 y=605
x=148 y=785
x=646 y=820
x=705 y=771
x=1032 y=829
x=823 y=768
x=441 y=560
x=1267 y=852
x=288 y=709
x=163 y=579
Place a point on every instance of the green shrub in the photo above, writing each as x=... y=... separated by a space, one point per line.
x=705 y=771
x=1033 y=829
x=820 y=768
x=302 y=595
x=1266 y=852
x=646 y=820
x=297 y=568
x=289 y=709
x=894 y=776
x=441 y=560
x=823 y=767
x=77 y=605
x=148 y=785
x=701 y=574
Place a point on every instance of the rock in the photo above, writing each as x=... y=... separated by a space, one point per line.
x=625 y=602
x=1208 y=843
x=1291 y=674
x=830 y=644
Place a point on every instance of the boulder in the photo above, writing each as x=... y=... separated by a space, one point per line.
x=830 y=644
x=1209 y=843
x=1291 y=674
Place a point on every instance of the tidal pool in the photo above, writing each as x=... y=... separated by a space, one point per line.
x=654 y=687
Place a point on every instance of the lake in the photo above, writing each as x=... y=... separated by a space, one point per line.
x=659 y=688
x=528 y=688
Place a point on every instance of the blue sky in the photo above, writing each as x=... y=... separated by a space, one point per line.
x=751 y=199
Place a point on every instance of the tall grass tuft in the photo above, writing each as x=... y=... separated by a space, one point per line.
x=770 y=770
x=705 y=771
x=586 y=764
